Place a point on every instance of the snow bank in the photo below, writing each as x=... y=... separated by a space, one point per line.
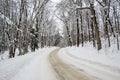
x=87 y=59
x=4 y=55
x=32 y=66
x=110 y=56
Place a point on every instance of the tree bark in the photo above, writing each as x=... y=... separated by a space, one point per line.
x=94 y=22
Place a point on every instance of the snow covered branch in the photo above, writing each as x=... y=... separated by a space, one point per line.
x=6 y=19
x=82 y=8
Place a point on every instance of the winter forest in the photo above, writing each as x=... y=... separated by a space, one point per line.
x=32 y=23
x=71 y=26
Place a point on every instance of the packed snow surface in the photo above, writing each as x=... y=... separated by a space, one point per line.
x=109 y=56
x=32 y=66
x=99 y=65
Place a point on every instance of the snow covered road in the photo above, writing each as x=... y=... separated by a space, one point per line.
x=32 y=66
x=96 y=70
x=55 y=64
x=65 y=71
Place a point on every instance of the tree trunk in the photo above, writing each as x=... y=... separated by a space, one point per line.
x=106 y=24
x=94 y=22
x=89 y=38
x=69 y=36
x=11 y=51
x=78 y=32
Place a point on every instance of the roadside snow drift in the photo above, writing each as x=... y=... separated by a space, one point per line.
x=32 y=66
x=87 y=59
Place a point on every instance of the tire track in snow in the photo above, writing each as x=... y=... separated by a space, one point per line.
x=109 y=68
x=100 y=71
x=65 y=71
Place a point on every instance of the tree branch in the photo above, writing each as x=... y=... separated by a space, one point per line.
x=100 y=3
x=83 y=8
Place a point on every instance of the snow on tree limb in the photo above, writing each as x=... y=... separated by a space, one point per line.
x=6 y=19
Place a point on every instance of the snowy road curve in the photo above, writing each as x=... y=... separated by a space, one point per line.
x=64 y=71
x=70 y=67
x=55 y=64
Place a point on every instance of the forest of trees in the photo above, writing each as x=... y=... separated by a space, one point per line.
x=90 y=20
x=28 y=24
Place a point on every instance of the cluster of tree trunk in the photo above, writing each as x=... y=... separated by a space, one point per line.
x=24 y=24
x=29 y=23
x=90 y=21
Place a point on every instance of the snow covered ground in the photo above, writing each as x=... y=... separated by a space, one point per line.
x=84 y=61
x=32 y=66
x=109 y=57
x=100 y=65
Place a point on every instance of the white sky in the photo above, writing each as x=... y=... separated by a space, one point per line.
x=57 y=21
x=56 y=1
